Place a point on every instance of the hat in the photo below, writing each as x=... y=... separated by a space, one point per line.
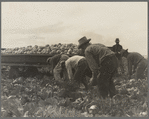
x=117 y=39
x=82 y=41
x=123 y=51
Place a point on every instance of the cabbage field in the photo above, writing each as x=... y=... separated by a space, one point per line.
x=42 y=96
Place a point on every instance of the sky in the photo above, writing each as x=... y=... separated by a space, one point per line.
x=42 y=23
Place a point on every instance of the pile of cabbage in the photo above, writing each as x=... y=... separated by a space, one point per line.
x=59 y=48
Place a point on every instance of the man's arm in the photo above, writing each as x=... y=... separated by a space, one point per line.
x=52 y=64
x=54 y=60
x=69 y=71
x=94 y=68
x=134 y=68
x=113 y=48
x=129 y=68
x=91 y=62
x=121 y=47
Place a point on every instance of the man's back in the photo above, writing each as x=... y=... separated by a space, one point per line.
x=95 y=53
x=73 y=61
x=134 y=57
x=98 y=51
x=54 y=60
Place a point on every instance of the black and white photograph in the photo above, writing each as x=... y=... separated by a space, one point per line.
x=74 y=59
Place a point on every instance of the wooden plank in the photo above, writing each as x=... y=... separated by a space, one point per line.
x=28 y=59
x=12 y=64
x=25 y=58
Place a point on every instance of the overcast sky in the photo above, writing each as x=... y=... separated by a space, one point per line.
x=41 y=23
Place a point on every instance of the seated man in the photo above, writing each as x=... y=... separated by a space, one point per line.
x=138 y=61
x=103 y=64
x=77 y=68
x=55 y=62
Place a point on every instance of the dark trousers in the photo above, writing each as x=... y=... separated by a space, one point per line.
x=104 y=79
x=120 y=64
x=80 y=72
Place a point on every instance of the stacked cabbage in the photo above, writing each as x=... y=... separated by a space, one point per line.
x=59 y=48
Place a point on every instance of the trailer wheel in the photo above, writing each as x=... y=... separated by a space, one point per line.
x=13 y=72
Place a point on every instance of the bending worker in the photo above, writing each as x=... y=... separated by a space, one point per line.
x=56 y=67
x=138 y=61
x=77 y=69
x=103 y=64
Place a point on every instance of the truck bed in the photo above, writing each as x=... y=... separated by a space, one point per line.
x=24 y=59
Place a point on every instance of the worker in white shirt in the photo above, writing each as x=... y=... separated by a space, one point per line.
x=77 y=69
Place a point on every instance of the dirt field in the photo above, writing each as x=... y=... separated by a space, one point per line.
x=41 y=96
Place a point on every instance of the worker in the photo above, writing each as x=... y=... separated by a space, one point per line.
x=137 y=61
x=116 y=49
x=77 y=69
x=55 y=63
x=103 y=64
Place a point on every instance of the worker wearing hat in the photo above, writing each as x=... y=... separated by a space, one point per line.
x=55 y=63
x=103 y=64
x=117 y=48
x=138 y=61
